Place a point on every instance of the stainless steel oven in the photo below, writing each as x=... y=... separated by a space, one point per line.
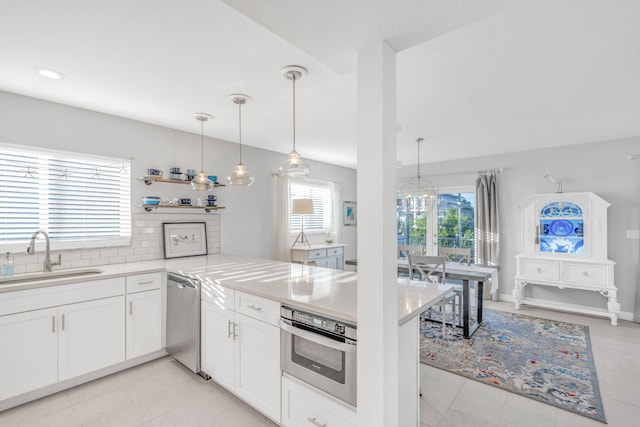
x=319 y=351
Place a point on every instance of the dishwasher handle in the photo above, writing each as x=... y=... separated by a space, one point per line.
x=182 y=281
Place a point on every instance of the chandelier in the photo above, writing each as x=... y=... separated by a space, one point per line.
x=417 y=195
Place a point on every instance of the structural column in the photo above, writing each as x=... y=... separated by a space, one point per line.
x=377 y=283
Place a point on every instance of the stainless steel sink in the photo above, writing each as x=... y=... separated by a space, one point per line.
x=53 y=275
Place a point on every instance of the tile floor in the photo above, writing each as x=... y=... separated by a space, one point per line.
x=163 y=393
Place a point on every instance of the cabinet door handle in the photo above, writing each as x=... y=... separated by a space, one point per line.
x=235 y=331
x=229 y=328
x=585 y=273
x=539 y=270
x=315 y=422
x=130 y=308
x=63 y=322
x=148 y=282
x=253 y=307
x=53 y=324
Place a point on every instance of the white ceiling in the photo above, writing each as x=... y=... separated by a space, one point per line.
x=474 y=77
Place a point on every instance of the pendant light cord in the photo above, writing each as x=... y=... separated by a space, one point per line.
x=240 y=128
x=419 y=140
x=202 y=144
x=293 y=78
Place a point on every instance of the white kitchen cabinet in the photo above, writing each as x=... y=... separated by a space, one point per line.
x=29 y=355
x=144 y=323
x=241 y=346
x=91 y=336
x=330 y=255
x=218 y=345
x=55 y=333
x=302 y=405
x=258 y=364
x=143 y=314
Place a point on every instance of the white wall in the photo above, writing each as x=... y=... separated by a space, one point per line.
x=247 y=225
x=600 y=167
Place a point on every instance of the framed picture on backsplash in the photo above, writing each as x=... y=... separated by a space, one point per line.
x=182 y=239
x=350 y=213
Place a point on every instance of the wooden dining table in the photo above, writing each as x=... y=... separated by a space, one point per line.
x=465 y=274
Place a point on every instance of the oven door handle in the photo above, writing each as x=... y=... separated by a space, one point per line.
x=317 y=338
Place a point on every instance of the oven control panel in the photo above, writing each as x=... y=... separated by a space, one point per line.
x=318 y=322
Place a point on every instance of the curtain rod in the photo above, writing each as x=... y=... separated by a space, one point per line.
x=498 y=170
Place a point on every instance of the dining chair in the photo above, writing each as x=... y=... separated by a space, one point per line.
x=461 y=255
x=433 y=269
x=403 y=250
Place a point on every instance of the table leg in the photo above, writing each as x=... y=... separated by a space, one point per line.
x=480 y=298
x=465 y=308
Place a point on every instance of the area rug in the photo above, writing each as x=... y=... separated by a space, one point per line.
x=542 y=359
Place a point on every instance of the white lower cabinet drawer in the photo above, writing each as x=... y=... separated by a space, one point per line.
x=334 y=251
x=144 y=282
x=586 y=274
x=257 y=307
x=318 y=253
x=302 y=406
x=539 y=269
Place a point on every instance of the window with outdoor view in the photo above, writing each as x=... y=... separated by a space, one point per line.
x=450 y=224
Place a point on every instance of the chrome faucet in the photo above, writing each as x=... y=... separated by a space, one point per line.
x=47 y=259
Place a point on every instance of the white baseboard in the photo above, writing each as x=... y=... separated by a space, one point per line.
x=573 y=308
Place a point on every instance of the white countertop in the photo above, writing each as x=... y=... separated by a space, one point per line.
x=328 y=292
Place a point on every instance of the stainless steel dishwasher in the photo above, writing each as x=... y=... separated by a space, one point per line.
x=183 y=321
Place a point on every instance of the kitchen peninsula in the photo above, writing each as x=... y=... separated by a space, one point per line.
x=326 y=292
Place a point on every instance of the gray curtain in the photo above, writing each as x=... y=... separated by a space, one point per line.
x=487 y=250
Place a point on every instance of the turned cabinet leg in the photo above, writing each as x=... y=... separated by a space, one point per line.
x=517 y=294
x=614 y=307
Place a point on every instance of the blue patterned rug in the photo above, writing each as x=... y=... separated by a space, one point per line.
x=542 y=359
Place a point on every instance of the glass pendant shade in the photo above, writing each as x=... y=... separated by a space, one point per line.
x=201 y=182
x=239 y=175
x=294 y=166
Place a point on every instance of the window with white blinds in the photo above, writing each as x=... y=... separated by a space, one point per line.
x=81 y=201
x=321 y=220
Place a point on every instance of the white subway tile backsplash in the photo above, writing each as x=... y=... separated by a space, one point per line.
x=117 y=260
x=79 y=263
x=32 y=268
x=89 y=254
x=125 y=251
x=133 y=258
x=106 y=253
x=147 y=243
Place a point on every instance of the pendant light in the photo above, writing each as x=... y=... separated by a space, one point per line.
x=201 y=182
x=418 y=194
x=294 y=166
x=240 y=176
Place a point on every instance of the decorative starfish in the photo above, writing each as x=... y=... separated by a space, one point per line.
x=29 y=173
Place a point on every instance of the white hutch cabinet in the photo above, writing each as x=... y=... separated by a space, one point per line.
x=564 y=244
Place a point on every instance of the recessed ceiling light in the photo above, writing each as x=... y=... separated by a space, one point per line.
x=49 y=73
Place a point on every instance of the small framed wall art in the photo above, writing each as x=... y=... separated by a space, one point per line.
x=182 y=239
x=350 y=213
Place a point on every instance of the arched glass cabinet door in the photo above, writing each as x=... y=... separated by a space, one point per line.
x=561 y=228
